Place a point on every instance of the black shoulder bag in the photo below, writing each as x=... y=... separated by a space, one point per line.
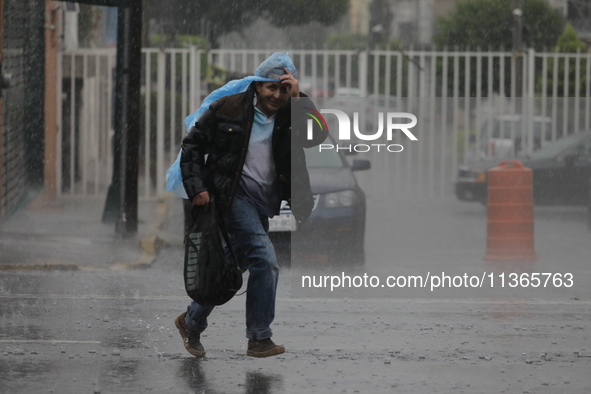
x=211 y=279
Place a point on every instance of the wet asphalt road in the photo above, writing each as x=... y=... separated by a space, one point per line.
x=113 y=331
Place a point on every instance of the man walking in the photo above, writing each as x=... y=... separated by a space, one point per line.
x=252 y=143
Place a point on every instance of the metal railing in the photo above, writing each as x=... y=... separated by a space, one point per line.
x=453 y=94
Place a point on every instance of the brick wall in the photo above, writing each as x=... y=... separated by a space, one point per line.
x=22 y=119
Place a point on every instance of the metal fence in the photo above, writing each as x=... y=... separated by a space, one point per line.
x=456 y=97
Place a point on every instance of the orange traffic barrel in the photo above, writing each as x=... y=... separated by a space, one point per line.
x=510 y=226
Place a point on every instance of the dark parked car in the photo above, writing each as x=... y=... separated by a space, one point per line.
x=561 y=172
x=496 y=135
x=335 y=230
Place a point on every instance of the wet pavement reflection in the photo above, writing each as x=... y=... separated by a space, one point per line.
x=257 y=382
x=113 y=332
x=191 y=372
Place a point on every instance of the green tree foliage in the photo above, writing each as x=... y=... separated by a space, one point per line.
x=380 y=22
x=353 y=41
x=488 y=24
x=359 y=42
x=568 y=42
x=213 y=19
x=179 y=41
x=301 y=12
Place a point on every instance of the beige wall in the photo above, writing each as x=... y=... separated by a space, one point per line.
x=561 y=5
x=444 y=7
x=359 y=16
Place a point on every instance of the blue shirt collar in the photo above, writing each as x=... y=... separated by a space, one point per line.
x=260 y=117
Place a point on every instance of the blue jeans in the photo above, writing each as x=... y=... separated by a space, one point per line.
x=248 y=231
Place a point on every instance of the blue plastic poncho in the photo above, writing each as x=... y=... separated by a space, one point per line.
x=268 y=71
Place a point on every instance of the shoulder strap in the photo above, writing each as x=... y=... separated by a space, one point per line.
x=221 y=223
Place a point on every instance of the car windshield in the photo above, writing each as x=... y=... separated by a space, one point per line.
x=553 y=149
x=327 y=158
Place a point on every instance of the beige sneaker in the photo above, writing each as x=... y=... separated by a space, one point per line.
x=263 y=348
x=191 y=339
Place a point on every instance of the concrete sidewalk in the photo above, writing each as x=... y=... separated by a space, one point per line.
x=68 y=234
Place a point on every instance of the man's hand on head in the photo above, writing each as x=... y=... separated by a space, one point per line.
x=201 y=198
x=291 y=84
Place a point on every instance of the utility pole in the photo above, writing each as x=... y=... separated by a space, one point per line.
x=518 y=46
x=1 y=87
x=379 y=24
x=121 y=206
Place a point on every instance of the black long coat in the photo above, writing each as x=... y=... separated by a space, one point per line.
x=223 y=133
